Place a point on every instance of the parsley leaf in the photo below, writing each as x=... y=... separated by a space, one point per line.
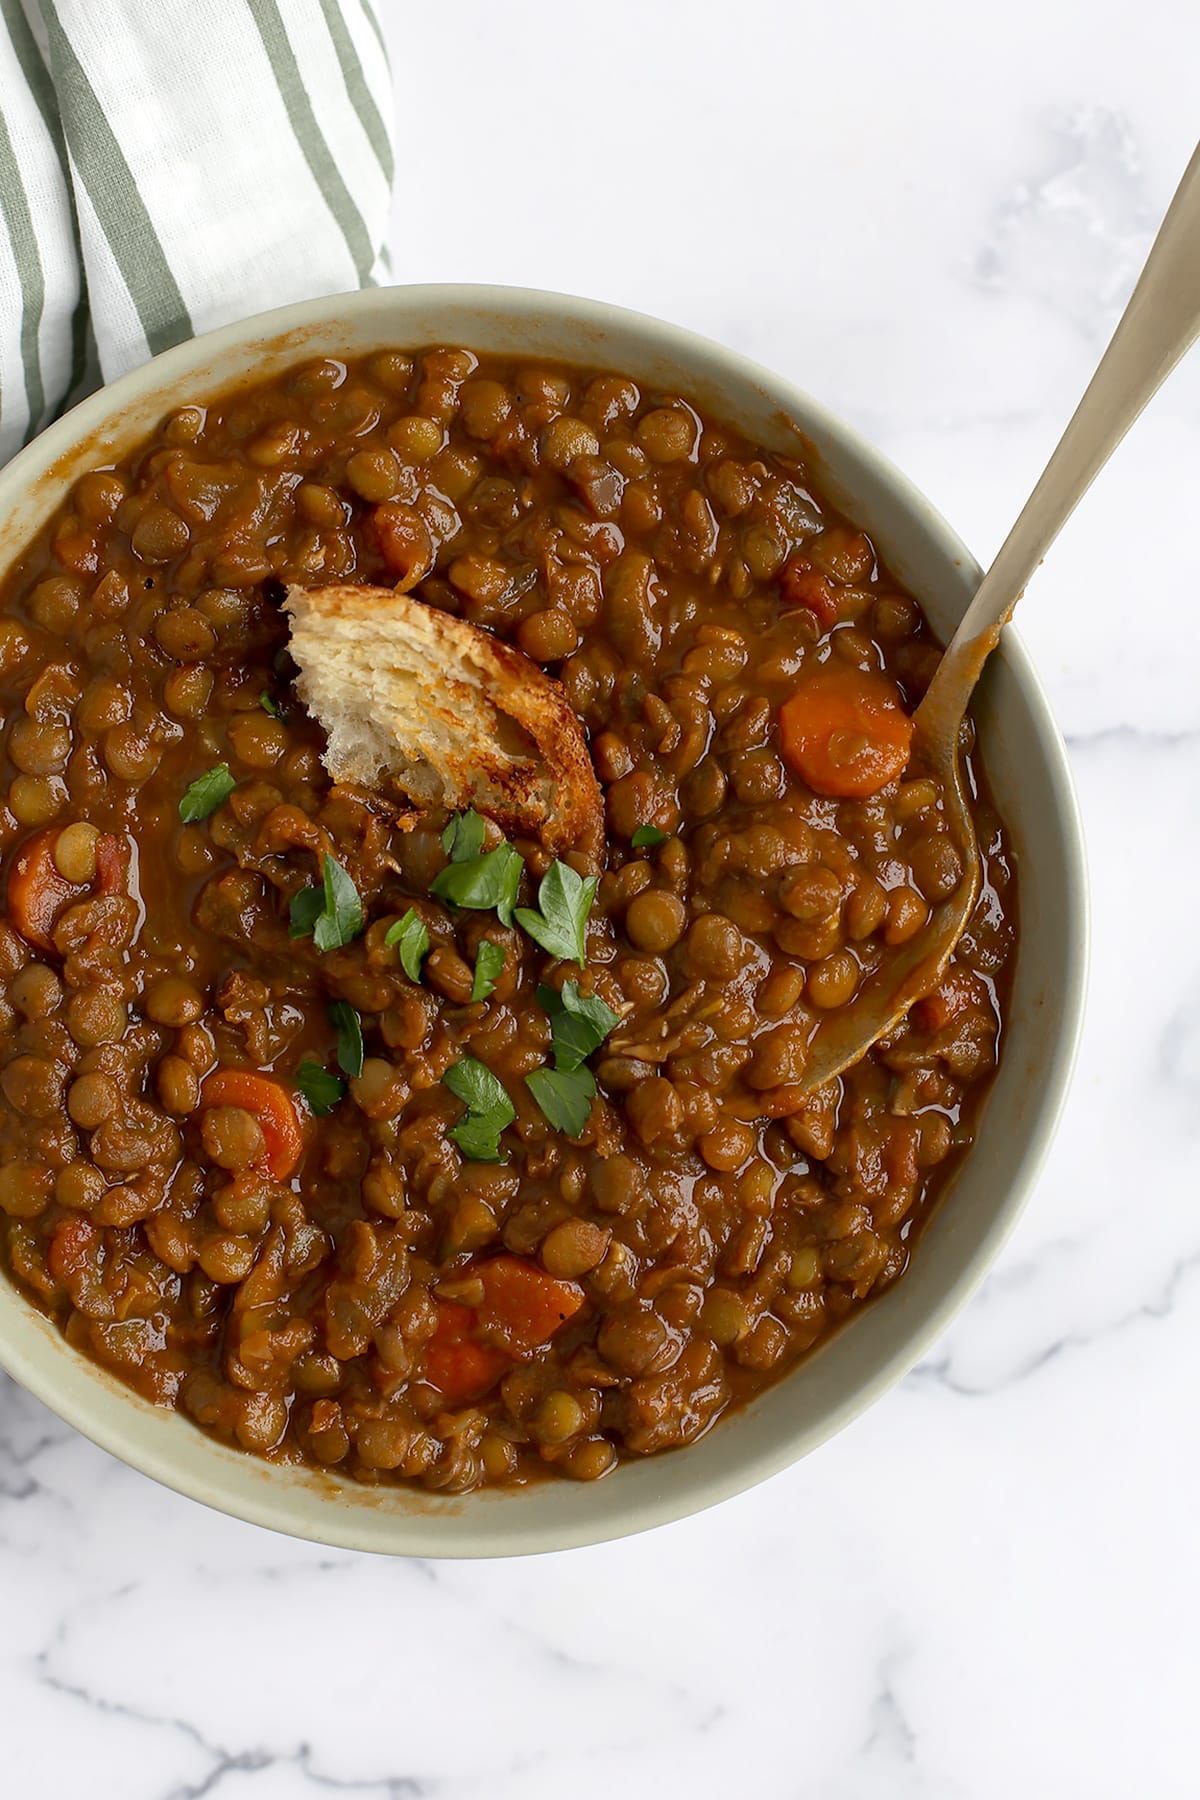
x=321 y=1089
x=646 y=837
x=270 y=705
x=342 y=919
x=579 y=1023
x=482 y=882
x=565 y=1096
x=331 y=912
x=473 y=1083
x=206 y=793
x=478 y=1137
x=489 y=960
x=463 y=836
x=303 y=912
x=412 y=937
x=349 y=1037
x=489 y=1109
x=564 y=902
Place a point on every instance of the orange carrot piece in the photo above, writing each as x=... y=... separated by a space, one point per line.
x=77 y=551
x=456 y=1363
x=522 y=1304
x=522 y=1309
x=802 y=585
x=111 y=864
x=958 y=990
x=404 y=542
x=900 y=1153
x=37 y=893
x=845 y=731
x=71 y=1243
x=272 y=1106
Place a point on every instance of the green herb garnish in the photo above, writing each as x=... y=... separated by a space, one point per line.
x=349 y=1037
x=482 y=883
x=410 y=935
x=205 y=794
x=565 y=1096
x=489 y=1109
x=478 y=1137
x=331 y=913
x=564 y=902
x=321 y=1089
x=306 y=908
x=579 y=1023
x=646 y=837
x=463 y=837
x=269 y=705
x=489 y=960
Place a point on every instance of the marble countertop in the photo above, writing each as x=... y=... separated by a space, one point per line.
x=929 y=216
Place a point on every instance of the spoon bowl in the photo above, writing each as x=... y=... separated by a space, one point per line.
x=915 y=968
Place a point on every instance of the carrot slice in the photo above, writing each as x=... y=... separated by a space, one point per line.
x=802 y=585
x=845 y=731
x=111 y=860
x=77 y=551
x=958 y=990
x=71 y=1244
x=404 y=542
x=456 y=1363
x=38 y=894
x=522 y=1304
x=272 y=1106
x=522 y=1308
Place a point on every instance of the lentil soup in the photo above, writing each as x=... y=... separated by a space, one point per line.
x=396 y=1148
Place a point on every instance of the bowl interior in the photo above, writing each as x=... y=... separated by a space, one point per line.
x=1025 y=763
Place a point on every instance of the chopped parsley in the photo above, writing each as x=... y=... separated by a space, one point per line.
x=349 y=1037
x=647 y=837
x=410 y=936
x=463 y=837
x=565 y=1096
x=330 y=913
x=205 y=794
x=579 y=1023
x=489 y=1109
x=489 y=960
x=320 y=1088
x=559 y=923
x=482 y=883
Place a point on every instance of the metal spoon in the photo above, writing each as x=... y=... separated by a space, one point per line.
x=1161 y=322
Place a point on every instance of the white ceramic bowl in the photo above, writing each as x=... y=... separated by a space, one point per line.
x=1025 y=761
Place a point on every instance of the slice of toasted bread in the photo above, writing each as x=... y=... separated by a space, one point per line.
x=415 y=699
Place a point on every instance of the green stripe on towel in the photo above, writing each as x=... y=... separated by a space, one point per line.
x=373 y=22
x=358 y=93
x=37 y=75
x=119 y=207
x=315 y=150
x=14 y=210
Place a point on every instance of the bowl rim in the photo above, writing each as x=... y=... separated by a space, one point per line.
x=676 y=1497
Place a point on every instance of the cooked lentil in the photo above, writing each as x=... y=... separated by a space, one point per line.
x=346 y=1288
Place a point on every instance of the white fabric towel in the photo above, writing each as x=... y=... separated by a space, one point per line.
x=170 y=165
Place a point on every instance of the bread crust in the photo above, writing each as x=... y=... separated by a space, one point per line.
x=420 y=701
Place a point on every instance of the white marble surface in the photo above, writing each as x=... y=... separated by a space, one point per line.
x=988 y=1587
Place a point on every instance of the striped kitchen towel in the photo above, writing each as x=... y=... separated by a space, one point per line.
x=171 y=165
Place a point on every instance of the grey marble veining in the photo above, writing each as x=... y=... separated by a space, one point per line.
x=928 y=216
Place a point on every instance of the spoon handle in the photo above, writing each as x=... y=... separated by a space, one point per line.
x=1161 y=322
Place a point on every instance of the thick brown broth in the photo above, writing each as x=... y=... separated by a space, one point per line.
x=349 y=1289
